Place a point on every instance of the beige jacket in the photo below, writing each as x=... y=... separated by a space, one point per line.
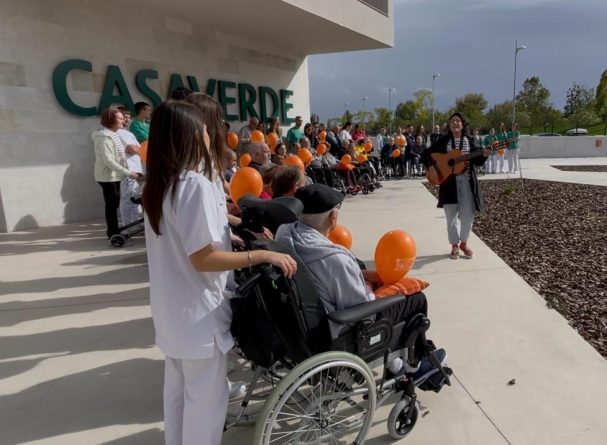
x=107 y=161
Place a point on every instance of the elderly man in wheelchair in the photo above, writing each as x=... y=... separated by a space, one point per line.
x=321 y=336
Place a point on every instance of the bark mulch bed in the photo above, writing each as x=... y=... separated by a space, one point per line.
x=581 y=168
x=554 y=235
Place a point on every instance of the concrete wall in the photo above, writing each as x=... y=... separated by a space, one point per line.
x=563 y=147
x=46 y=159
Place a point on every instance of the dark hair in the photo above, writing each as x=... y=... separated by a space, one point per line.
x=273 y=125
x=285 y=179
x=347 y=123
x=176 y=143
x=464 y=123
x=109 y=117
x=212 y=116
x=180 y=93
x=268 y=174
x=140 y=106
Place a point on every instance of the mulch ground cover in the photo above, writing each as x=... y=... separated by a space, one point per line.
x=581 y=168
x=554 y=235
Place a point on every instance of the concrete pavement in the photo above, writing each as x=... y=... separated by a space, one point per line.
x=78 y=364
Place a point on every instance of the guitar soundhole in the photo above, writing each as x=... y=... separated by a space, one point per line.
x=451 y=162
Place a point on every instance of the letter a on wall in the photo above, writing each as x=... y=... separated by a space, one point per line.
x=115 y=81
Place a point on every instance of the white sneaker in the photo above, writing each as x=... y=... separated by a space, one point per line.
x=236 y=389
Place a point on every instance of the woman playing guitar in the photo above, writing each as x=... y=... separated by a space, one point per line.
x=459 y=194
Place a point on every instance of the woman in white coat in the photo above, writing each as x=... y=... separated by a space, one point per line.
x=187 y=241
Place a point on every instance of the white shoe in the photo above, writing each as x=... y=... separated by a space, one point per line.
x=236 y=389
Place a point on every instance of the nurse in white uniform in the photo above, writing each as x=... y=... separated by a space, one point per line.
x=188 y=267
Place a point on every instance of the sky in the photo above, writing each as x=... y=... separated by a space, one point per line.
x=471 y=44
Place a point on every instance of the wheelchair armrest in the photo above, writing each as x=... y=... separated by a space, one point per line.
x=364 y=310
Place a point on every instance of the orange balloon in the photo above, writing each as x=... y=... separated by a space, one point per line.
x=394 y=256
x=245 y=160
x=143 y=151
x=322 y=136
x=342 y=236
x=272 y=140
x=362 y=158
x=257 y=136
x=396 y=153
x=401 y=141
x=246 y=180
x=499 y=152
x=345 y=160
x=368 y=147
x=321 y=149
x=305 y=155
x=232 y=140
x=295 y=161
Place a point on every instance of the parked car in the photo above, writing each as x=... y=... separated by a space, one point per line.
x=577 y=132
x=547 y=134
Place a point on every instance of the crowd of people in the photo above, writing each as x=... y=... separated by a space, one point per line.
x=189 y=220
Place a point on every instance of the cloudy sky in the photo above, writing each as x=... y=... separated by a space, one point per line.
x=471 y=44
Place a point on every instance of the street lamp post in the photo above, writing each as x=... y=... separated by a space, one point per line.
x=345 y=109
x=434 y=76
x=390 y=89
x=516 y=50
x=364 y=100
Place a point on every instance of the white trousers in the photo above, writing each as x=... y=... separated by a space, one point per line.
x=500 y=163
x=462 y=211
x=513 y=163
x=491 y=164
x=195 y=400
x=129 y=211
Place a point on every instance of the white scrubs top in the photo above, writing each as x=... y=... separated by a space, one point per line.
x=189 y=309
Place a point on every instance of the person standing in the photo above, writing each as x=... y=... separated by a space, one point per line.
x=111 y=165
x=502 y=136
x=513 y=150
x=140 y=126
x=436 y=134
x=189 y=258
x=129 y=188
x=294 y=135
x=491 y=165
x=244 y=135
x=459 y=195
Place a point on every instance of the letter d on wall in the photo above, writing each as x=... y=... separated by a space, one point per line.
x=60 y=86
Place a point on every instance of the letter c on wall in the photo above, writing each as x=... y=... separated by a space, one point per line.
x=60 y=86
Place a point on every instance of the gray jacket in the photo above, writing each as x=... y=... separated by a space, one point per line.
x=335 y=273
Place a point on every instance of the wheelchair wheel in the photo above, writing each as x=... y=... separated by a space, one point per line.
x=329 y=398
x=117 y=240
x=398 y=427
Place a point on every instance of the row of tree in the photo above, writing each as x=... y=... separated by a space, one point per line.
x=535 y=113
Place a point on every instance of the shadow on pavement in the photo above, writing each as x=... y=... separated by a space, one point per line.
x=148 y=437
x=123 y=393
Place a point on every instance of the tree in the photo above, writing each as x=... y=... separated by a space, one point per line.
x=534 y=99
x=347 y=117
x=580 y=106
x=471 y=105
x=383 y=117
x=601 y=97
x=416 y=111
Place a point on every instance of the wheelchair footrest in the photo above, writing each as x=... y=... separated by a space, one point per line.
x=437 y=380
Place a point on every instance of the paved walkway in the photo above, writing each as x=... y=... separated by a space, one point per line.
x=78 y=365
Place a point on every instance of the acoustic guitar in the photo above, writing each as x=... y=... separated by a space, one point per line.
x=454 y=162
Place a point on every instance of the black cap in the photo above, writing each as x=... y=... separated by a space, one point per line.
x=318 y=198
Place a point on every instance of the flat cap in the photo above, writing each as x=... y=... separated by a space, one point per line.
x=318 y=198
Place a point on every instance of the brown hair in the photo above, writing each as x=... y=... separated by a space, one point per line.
x=212 y=116
x=176 y=143
x=285 y=180
x=109 y=117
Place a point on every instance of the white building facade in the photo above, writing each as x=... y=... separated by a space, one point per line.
x=63 y=61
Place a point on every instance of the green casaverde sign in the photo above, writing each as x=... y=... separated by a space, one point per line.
x=115 y=91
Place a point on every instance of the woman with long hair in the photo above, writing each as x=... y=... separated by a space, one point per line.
x=459 y=195
x=189 y=258
x=274 y=127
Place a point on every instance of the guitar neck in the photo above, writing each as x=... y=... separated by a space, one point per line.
x=478 y=153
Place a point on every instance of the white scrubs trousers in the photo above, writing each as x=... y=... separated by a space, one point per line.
x=513 y=162
x=129 y=211
x=195 y=400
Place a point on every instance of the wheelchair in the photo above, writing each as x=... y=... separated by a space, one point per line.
x=322 y=389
